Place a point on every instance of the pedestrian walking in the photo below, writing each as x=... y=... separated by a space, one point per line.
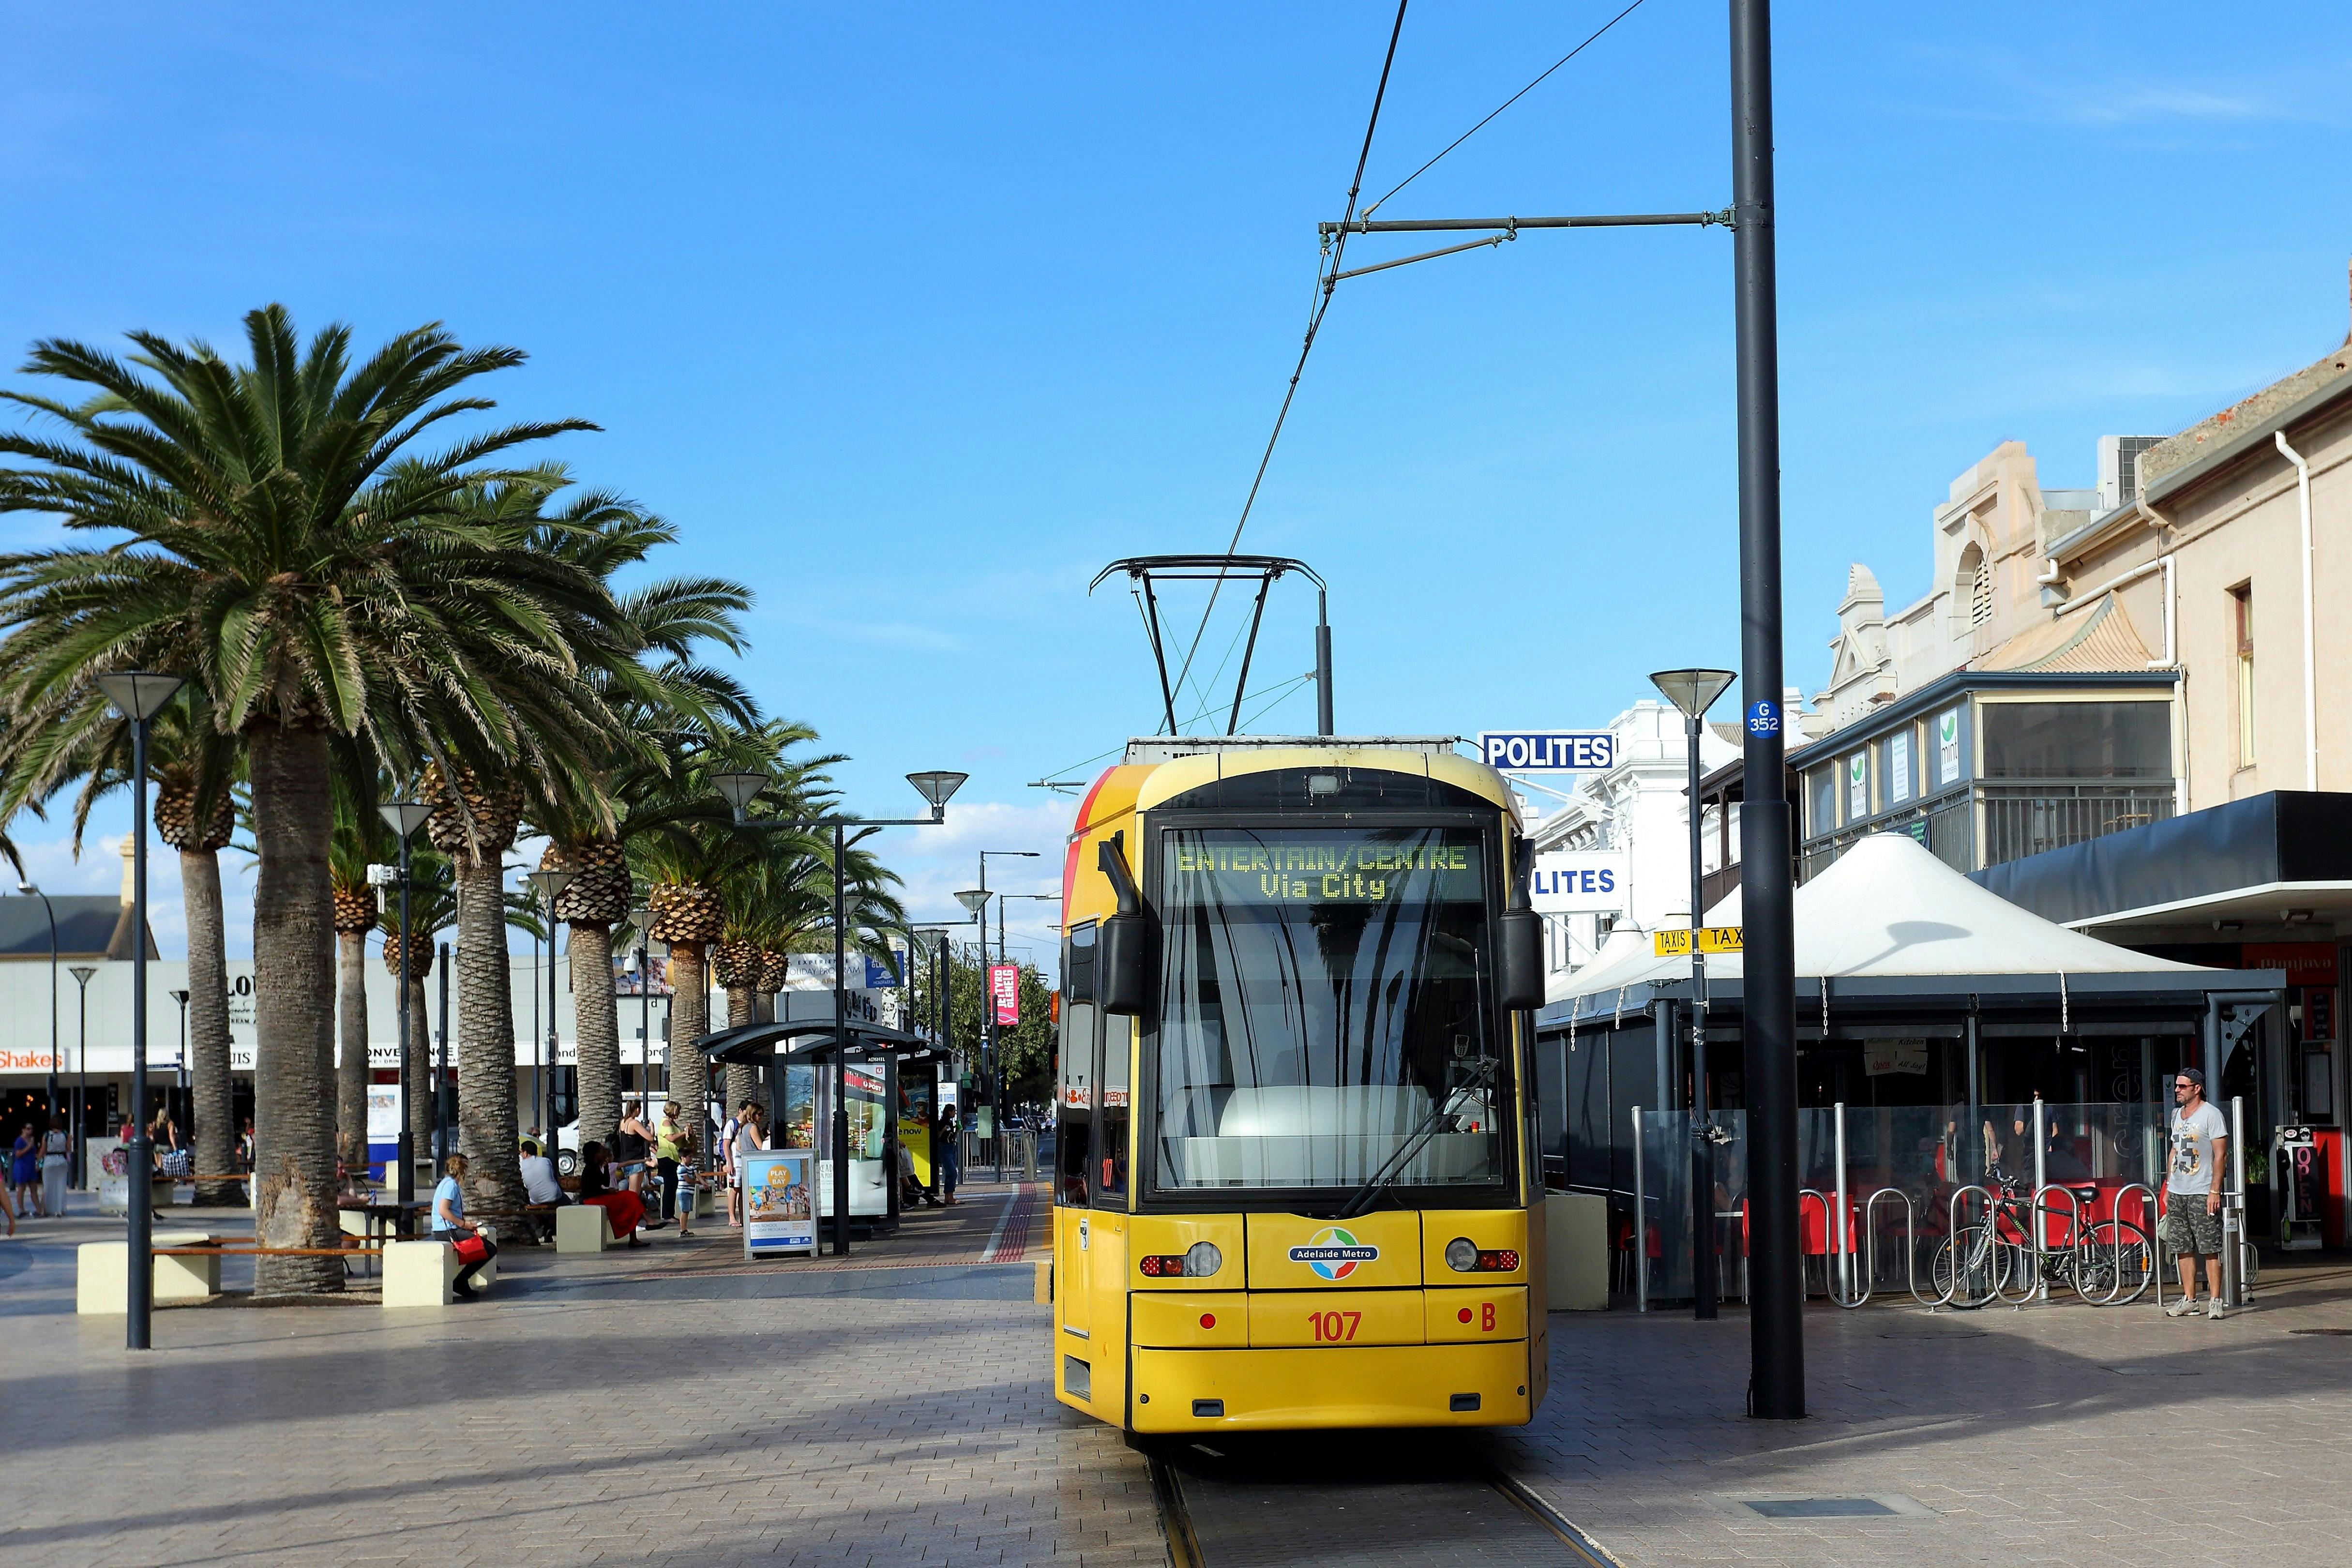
x=2192 y=1200
x=24 y=1162
x=734 y=1186
x=951 y=1153
x=633 y=1143
x=56 y=1150
x=670 y=1146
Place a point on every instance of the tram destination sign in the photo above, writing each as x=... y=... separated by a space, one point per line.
x=1326 y=869
x=1548 y=750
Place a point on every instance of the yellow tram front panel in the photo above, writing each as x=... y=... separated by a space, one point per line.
x=1293 y=1252
x=1357 y=1385
x=1279 y=1319
x=1168 y=1252
x=1477 y=1316
x=1191 y=1320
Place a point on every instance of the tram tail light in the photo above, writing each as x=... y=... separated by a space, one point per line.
x=1199 y=1261
x=1465 y=1257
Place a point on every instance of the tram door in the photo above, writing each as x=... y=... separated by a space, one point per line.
x=1075 y=1149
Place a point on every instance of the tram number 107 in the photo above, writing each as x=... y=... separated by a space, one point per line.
x=1334 y=1328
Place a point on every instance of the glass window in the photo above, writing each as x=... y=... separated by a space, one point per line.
x=1327 y=1015
x=1820 y=801
x=2241 y=614
x=2077 y=741
x=1074 y=1091
x=1896 y=750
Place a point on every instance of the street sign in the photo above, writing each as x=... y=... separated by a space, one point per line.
x=1711 y=939
x=1578 y=882
x=1764 y=717
x=1004 y=988
x=1548 y=750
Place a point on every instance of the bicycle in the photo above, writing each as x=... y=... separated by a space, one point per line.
x=2106 y=1262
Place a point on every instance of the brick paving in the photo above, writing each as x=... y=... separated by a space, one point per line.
x=661 y=1406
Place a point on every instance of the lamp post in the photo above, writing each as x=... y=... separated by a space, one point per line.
x=550 y=883
x=1695 y=691
x=934 y=942
x=740 y=789
x=30 y=890
x=404 y=817
x=1002 y=900
x=81 y=974
x=138 y=695
x=641 y=923
x=182 y=1067
x=995 y=1040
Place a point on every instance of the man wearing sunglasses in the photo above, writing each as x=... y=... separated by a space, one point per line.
x=2193 y=1204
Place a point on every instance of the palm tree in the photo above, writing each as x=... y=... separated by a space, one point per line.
x=431 y=909
x=275 y=535
x=194 y=768
x=357 y=845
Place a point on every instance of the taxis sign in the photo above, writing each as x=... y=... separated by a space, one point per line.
x=1711 y=939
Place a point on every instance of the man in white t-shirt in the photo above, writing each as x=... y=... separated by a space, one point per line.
x=2192 y=1202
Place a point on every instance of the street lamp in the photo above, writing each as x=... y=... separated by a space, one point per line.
x=28 y=890
x=932 y=941
x=987 y=1011
x=550 y=881
x=1695 y=691
x=740 y=789
x=181 y=998
x=81 y=974
x=641 y=924
x=404 y=817
x=138 y=695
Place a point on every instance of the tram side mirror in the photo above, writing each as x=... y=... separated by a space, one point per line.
x=1521 y=968
x=1125 y=950
x=1123 y=965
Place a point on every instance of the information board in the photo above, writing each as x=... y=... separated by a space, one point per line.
x=780 y=1202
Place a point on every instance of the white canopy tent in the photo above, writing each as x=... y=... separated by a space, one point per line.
x=1889 y=909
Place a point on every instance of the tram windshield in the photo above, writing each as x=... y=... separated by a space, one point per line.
x=1327 y=1015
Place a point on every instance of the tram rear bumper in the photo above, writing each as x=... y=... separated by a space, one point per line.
x=1483 y=1385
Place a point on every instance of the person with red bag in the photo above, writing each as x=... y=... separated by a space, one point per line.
x=450 y=1225
x=623 y=1210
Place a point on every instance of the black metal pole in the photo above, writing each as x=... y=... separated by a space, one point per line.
x=403 y=1147
x=51 y=910
x=554 y=1034
x=142 y=1175
x=1777 y=1351
x=1322 y=667
x=1702 y=1286
x=840 y=1061
x=441 y=1076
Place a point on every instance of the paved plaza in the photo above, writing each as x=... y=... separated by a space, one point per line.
x=678 y=1404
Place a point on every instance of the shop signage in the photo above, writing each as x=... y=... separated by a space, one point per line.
x=1548 y=750
x=1948 y=746
x=1005 y=986
x=780 y=1210
x=1879 y=1058
x=1578 y=882
x=1711 y=939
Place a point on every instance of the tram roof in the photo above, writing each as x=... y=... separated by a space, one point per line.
x=1174 y=748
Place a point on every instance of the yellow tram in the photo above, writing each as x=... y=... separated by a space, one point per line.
x=1295 y=1179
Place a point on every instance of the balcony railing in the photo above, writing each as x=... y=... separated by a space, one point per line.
x=2020 y=819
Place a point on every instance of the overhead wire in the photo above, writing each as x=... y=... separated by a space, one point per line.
x=1314 y=325
x=1506 y=103
x=1277 y=692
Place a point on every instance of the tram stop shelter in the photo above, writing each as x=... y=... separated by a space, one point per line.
x=1932 y=1016
x=817 y=1079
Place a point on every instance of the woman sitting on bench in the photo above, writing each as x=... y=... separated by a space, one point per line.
x=450 y=1225
x=622 y=1210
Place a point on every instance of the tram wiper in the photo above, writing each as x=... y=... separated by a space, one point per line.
x=1481 y=1074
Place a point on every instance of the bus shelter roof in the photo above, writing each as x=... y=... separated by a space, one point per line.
x=791 y=1039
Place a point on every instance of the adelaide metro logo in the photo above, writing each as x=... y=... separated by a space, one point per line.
x=1334 y=1253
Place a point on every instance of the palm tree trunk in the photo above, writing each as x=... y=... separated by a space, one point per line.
x=742 y=1077
x=294 y=1010
x=690 y=1020
x=351 y=1062
x=596 y=1019
x=208 y=1069
x=487 y=1127
x=420 y=1070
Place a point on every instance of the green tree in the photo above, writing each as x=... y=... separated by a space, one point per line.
x=273 y=531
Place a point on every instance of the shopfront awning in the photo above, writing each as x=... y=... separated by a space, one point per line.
x=805 y=1040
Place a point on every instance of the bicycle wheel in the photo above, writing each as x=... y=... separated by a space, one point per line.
x=2115 y=1263
x=1984 y=1269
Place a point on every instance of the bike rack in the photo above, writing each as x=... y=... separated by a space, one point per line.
x=1870 y=1249
x=2155 y=1235
x=2041 y=1207
x=1830 y=1240
x=1951 y=1239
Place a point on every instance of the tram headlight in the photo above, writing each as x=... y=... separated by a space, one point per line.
x=1202 y=1259
x=1461 y=1255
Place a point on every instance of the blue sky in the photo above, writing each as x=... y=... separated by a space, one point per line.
x=914 y=318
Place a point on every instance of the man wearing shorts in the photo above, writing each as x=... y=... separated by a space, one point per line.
x=2192 y=1203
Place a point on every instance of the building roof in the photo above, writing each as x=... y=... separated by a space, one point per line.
x=2219 y=439
x=86 y=926
x=2102 y=638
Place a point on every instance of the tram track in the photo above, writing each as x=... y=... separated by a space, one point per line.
x=1353 y=1501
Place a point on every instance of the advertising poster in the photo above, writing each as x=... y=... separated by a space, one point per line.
x=779 y=1199
x=1005 y=986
